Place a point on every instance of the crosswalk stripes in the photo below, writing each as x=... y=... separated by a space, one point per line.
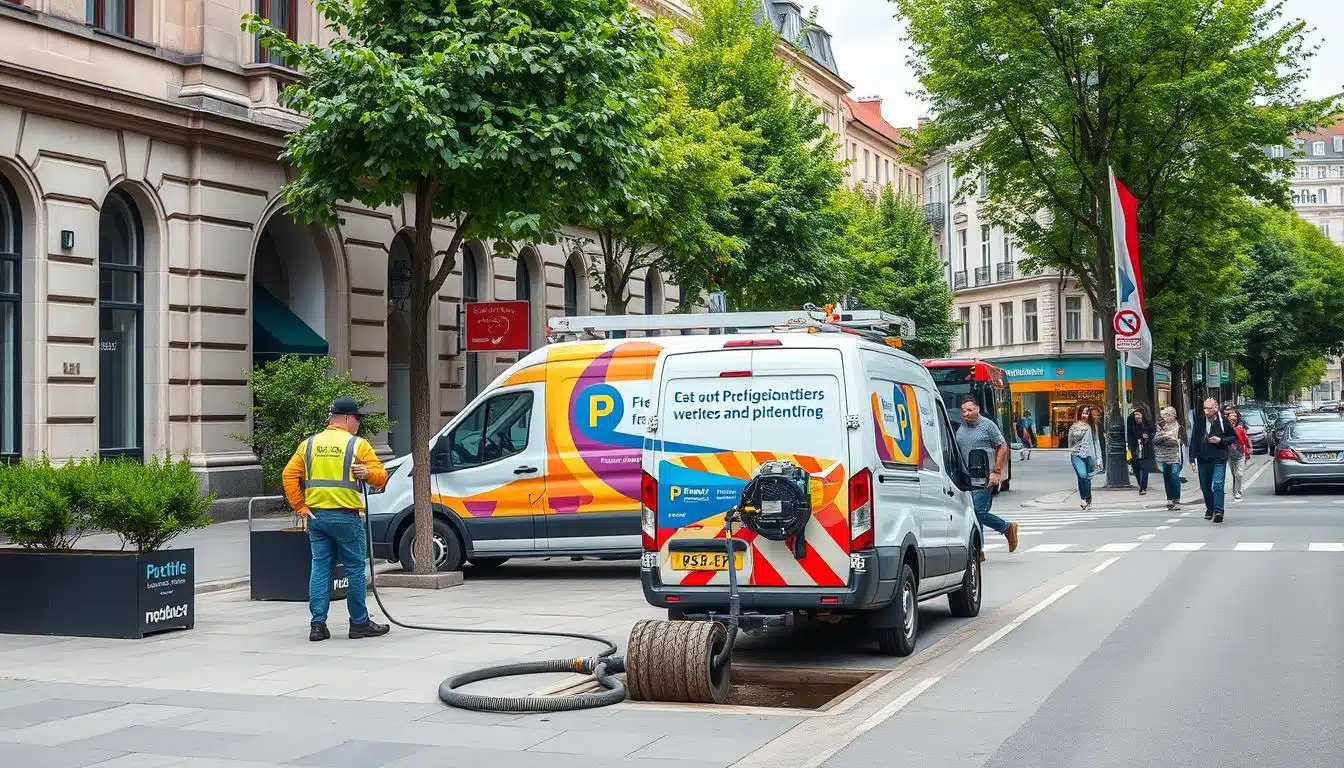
x=1175 y=546
x=1031 y=520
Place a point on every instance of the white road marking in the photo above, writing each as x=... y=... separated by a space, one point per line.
x=1185 y=546
x=1253 y=546
x=994 y=546
x=1020 y=620
x=1331 y=546
x=1049 y=548
x=896 y=705
x=1147 y=536
x=1256 y=475
x=1128 y=547
x=1173 y=520
x=1105 y=565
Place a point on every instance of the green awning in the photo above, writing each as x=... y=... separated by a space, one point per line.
x=277 y=331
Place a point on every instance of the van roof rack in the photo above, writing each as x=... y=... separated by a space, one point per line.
x=873 y=324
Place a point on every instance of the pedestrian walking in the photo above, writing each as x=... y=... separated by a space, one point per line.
x=1026 y=432
x=1211 y=442
x=1085 y=450
x=323 y=482
x=981 y=433
x=1139 y=434
x=1167 y=450
x=1238 y=459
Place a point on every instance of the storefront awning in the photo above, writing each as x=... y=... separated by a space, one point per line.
x=277 y=331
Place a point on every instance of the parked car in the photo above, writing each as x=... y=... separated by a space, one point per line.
x=1257 y=428
x=1311 y=454
x=1278 y=425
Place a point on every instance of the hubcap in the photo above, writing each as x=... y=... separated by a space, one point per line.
x=975 y=581
x=908 y=609
x=440 y=550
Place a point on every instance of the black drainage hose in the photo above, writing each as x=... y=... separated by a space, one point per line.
x=604 y=666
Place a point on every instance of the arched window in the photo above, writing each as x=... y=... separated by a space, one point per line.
x=11 y=289
x=121 y=306
x=571 y=289
x=522 y=280
x=653 y=295
x=470 y=292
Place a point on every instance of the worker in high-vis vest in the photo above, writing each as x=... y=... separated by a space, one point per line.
x=324 y=483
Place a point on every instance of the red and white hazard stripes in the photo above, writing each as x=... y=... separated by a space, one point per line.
x=772 y=563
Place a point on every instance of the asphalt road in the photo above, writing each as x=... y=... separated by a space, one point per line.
x=1146 y=638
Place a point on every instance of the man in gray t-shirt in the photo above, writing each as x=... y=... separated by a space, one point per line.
x=978 y=432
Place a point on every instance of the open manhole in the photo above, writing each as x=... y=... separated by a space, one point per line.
x=810 y=688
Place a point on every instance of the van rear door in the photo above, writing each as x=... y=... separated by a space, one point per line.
x=721 y=415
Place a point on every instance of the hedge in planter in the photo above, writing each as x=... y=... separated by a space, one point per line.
x=50 y=587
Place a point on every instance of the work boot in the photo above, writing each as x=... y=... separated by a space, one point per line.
x=1208 y=515
x=1218 y=517
x=369 y=628
x=318 y=631
x=1012 y=537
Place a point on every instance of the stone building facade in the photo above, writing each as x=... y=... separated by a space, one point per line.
x=147 y=261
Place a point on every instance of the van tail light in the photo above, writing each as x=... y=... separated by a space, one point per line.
x=648 y=512
x=861 y=511
x=751 y=343
x=1287 y=454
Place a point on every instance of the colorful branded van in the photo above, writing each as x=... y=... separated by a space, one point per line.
x=546 y=461
x=841 y=458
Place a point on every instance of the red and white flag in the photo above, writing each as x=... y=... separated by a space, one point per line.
x=1132 y=335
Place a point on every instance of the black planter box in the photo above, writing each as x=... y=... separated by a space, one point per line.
x=96 y=593
x=282 y=561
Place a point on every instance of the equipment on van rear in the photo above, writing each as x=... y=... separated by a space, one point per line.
x=777 y=504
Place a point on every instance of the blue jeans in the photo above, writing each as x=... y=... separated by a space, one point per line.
x=1211 y=476
x=1083 y=466
x=1171 y=480
x=330 y=535
x=981 y=501
x=1140 y=473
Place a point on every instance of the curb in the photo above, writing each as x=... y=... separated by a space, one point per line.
x=224 y=585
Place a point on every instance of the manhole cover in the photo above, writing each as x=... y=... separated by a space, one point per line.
x=809 y=688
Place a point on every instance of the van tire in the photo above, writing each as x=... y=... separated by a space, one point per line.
x=900 y=639
x=446 y=541
x=487 y=562
x=965 y=602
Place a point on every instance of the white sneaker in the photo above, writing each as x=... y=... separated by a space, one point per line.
x=1236 y=496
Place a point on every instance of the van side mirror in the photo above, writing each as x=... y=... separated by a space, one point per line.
x=439 y=456
x=977 y=467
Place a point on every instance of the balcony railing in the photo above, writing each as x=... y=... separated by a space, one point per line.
x=1004 y=271
x=933 y=215
x=959 y=280
x=982 y=275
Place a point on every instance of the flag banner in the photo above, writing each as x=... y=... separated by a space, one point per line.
x=1132 y=334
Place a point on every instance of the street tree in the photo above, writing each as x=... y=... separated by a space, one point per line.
x=503 y=117
x=1047 y=97
x=783 y=213
x=890 y=264
x=676 y=192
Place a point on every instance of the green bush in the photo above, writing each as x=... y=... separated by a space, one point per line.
x=45 y=507
x=291 y=397
x=147 y=505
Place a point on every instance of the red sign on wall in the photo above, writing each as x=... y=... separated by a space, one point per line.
x=498 y=326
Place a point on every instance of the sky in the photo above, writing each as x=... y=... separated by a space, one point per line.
x=867 y=40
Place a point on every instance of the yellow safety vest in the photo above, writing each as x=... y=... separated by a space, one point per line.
x=327 y=481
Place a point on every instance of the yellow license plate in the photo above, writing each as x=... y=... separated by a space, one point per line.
x=704 y=561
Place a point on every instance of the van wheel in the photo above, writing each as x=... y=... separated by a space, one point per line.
x=965 y=602
x=447 y=548
x=487 y=562
x=900 y=639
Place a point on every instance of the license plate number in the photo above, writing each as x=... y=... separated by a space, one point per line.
x=704 y=561
x=1333 y=456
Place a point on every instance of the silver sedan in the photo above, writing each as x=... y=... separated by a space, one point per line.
x=1310 y=454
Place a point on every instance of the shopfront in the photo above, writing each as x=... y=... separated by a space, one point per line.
x=1052 y=389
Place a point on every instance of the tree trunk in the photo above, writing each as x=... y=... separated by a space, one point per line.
x=1259 y=382
x=1144 y=391
x=422 y=296
x=1178 y=394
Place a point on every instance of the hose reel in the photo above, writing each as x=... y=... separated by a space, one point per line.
x=777 y=504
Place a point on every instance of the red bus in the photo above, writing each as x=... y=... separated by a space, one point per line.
x=990 y=387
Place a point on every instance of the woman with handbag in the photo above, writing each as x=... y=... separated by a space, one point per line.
x=1239 y=457
x=1085 y=450
x=1139 y=434
x=1167 y=443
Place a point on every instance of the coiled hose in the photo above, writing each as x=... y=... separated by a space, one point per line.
x=604 y=666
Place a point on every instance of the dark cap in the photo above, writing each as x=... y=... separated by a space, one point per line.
x=345 y=406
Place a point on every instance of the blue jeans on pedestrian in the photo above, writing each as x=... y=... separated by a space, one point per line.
x=333 y=534
x=1083 y=467
x=1140 y=473
x=1211 y=476
x=1171 y=480
x=981 y=500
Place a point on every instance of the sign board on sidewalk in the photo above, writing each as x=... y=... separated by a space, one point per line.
x=498 y=326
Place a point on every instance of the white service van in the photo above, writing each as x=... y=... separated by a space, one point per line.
x=882 y=516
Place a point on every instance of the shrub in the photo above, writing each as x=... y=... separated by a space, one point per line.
x=45 y=507
x=291 y=397
x=148 y=505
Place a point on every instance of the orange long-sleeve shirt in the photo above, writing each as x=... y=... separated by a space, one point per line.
x=292 y=477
